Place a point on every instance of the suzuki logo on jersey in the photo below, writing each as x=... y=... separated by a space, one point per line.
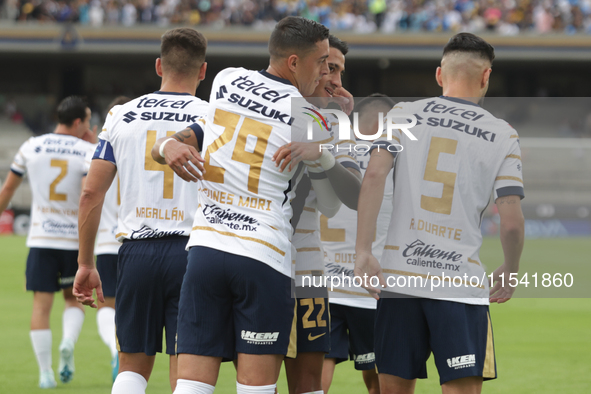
x=129 y=117
x=259 y=338
x=460 y=362
x=409 y=121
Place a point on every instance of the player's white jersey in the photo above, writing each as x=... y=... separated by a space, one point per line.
x=310 y=256
x=55 y=165
x=244 y=200
x=155 y=202
x=106 y=242
x=442 y=185
x=338 y=235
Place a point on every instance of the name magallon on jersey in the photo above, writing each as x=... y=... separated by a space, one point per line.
x=442 y=185
x=55 y=166
x=155 y=202
x=244 y=199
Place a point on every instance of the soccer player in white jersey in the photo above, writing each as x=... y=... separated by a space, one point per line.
x=236 y=300
x=352 y=309
x=304 y=373
x=442 y=185
x=155 y=214
x=55 y=166
x=106 y=250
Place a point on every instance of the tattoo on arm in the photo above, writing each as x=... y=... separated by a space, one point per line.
x=508 y=200
x=181 y=136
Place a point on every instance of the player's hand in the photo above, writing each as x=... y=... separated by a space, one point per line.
x=295 y=152
x=90 y=135
x=87 y=279
x=366 y=267
x=184 y=160
x=498 y=292
x=344 y=99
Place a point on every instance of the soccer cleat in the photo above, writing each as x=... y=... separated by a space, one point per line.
x=66 y=361
x=47 y=380
x=115 y=367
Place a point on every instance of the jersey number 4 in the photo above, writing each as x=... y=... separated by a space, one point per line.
x=249 y=149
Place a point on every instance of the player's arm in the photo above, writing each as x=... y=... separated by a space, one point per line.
x=12 y=183
x=99 y=179
x=370 y=201
x=512 y=236
x=180 y=149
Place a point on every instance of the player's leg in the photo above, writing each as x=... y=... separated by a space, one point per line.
x=134 y=372
x=327 y=373
x=105 y=316
x=401 y=344
x=42 y=277
x=469 y=385
x=339 y=345
x=360 y=322
x=304 y=373
x=264 y=327
x=73 y=316
x=205 y=322
x=390 y=384
x=371 y=380
x=463 y=347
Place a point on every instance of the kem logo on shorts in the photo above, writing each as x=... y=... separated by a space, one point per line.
x=365 y=358
x=259 y=338
x=460 y=362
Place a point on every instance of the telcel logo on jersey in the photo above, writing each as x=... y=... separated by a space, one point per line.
x=409 y=121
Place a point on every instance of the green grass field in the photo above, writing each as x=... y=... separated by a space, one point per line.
x=542 y=344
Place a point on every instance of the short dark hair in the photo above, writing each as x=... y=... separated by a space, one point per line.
x=70 y=109
x=182 y=50
x=468 y=42
x=342 y=46
x=295 y=35
x=119 y=100
x=372 y=99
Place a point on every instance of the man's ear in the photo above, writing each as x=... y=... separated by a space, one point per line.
x=485 y=77
x=438 y=77
x=159 y=67
x=202 y=71
x=292 y=62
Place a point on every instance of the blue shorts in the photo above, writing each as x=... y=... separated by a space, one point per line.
x=150 y=273
x=460 y=336
x=106 y=264
x=234 y=304
x=50 y=270
x=313 y=325
x=351 y=335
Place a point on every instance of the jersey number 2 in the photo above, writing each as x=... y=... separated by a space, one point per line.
x=63 y=166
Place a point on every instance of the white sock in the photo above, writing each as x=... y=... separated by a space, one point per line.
x=316 y=392
x=244 y=389
x=72 y=320
x=184 y=386
x=105 y=320
x=129 y=383
x=41 y=340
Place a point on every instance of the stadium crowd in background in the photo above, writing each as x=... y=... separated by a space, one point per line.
x=506 y=17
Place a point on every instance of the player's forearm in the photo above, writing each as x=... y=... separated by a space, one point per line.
x=89 y=217
x=7 y=192
x=512 y=238
x=370 y=201
x=346 y=184
x=326 y=198
x=156 y=150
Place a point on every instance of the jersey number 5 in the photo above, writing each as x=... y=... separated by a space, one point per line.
x=247 y=150
x=439 y=204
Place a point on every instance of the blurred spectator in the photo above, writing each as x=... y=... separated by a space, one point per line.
x=505 y=17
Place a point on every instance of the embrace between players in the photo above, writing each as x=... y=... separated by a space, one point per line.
x=209 y=254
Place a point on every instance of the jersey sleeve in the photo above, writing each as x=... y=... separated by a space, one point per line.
x=19 y=164
x=509 y=179
x=104 y=150
x=198 y=128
